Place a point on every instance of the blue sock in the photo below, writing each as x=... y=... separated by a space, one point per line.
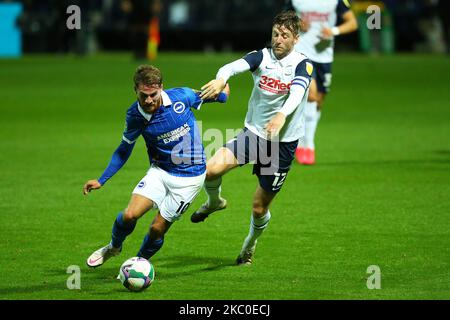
x=149 y=248
x=121 y=230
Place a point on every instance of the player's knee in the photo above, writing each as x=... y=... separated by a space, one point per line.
x=130 y=215
x=212 y=172
x=259 y=210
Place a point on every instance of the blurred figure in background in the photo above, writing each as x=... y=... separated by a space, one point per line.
x=140 y=14
x=317 y=41
x=444 y=15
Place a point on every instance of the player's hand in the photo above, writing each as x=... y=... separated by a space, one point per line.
x=327 y=33
x=275 y=125
x=212 y=89
x=91 y=185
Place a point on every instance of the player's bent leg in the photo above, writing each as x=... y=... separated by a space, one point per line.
x=136 y=208
x=154 y=240
x=222 y=162
x=123 y=226
x=258 y=223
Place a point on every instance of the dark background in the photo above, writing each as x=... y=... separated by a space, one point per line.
x=205 y=25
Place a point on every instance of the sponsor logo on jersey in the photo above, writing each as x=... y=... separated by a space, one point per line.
x=274 y=85
x=175 y=135
x=315 y=16
x=179 y=107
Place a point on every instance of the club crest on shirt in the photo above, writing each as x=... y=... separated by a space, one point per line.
x=179 y=107
x=141 y=184
x=309 y=68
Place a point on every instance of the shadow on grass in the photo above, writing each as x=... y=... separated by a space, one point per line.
x=167 y=268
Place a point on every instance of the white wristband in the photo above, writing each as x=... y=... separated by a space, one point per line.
x=335 y=31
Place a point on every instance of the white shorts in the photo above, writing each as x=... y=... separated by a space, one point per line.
x=171 y=194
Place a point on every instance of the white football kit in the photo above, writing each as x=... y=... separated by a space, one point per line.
x=319 y=14
x=279 y=86
x=171 y=194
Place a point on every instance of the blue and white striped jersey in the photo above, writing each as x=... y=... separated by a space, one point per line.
x=171 y=135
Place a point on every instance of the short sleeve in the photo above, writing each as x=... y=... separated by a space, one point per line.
x=254 y=59
x=303 y=74
x=342 y=7
x=192 y=98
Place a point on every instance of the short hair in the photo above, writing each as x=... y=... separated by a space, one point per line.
x=147 y=75
x=288 y=19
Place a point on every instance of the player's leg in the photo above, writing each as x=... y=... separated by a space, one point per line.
x=154 y=239
x=271 y=180
x=320 y=85
x=303 y=152
x=258 y=223
x=220 y=163
x=126 y=221
x=181 y=192
x=124 y=225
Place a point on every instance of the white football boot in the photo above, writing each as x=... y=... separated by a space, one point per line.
x=101 y=255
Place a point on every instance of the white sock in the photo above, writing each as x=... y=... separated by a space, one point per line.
x=257 y=226
x=312 y=116
x=213 y=189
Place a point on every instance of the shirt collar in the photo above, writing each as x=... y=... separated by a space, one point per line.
x=283 y=62
x=165 y=99
x=166 y=103
x=146 y=115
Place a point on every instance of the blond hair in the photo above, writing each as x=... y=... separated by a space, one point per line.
x=147 y=75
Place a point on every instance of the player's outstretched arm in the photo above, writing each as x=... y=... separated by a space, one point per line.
x=212 y=89
x=91 y=185
x=118 y=159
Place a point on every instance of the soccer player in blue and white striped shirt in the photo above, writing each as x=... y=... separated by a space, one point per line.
x=177 y=161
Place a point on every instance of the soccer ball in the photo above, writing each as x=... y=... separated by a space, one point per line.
x=137 y=274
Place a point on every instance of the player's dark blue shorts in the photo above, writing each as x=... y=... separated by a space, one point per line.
x=322 y=74
x=272 y=160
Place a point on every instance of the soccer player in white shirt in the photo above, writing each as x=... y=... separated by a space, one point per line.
x=319 y=29
x=273 y=125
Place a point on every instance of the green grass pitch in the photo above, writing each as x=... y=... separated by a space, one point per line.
x=379 y=194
